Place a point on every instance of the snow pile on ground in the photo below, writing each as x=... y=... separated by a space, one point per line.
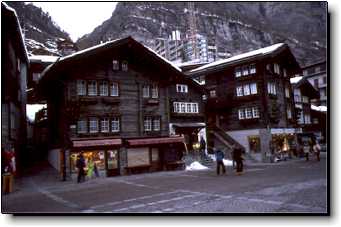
x=195 y=166
x=227 y=162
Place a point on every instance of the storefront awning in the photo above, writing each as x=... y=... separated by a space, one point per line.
x=94 y=143
x=151 y=141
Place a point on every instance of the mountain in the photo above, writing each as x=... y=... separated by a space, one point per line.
x=234 y=26
x=41 y=32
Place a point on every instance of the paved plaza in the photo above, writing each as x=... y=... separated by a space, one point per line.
x=284 y=187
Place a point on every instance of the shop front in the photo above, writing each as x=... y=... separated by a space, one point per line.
x=102 y=154
x=283 y=145
x=154 y=154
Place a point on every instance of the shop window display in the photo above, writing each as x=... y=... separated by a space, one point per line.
x=254 y=144
x=96 y=156
x=112 y=159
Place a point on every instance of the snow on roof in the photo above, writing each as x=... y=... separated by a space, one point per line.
x=295 y=80
x=88 y=49
x=319 y=108
x=32 y=109
x=43 y=58
x=19 y=27
x=164 y=59
x=187 y=63
x=262 y=51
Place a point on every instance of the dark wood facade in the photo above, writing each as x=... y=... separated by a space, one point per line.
x=14 y=68
x=141 y=101
x=233 y=108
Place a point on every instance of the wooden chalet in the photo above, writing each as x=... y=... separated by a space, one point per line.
x=121 y=105
x=14 y=69
x=250 y=102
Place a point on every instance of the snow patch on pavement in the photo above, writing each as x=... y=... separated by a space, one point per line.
x=195 y=166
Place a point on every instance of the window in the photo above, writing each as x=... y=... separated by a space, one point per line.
x=204 y=97
x=156 y=124
x=115 y=124
x=287 y=92
x=246 y=89
x=181 y=88
x=93 y=125
x=268 y=67
x=289 y=114
x=307 y=119
x=322 y=93
x=103 y=88
x=305 y=99
x=115 y=65
x=255 y=112
x=81 y=87
x=155 y=91
x=317 y=69
x=248 y=113
x=253 y=88
x=92 y=88
x=239 y=91
x=316 y=83
x=276 y=68
x=82 y=126
x=189 y=108
x=324 y=80
x=125 y=66
x=114 y=89
x=183 y=108
x=305 y=72
x=213 y=93
x=195 y=108
x=245 y=70
x=252 y=69
x=105 y=125
x=176 y=106
x=148 y=124
x=145 y=91
x=237 y=72
x=241 y=114
x=272 y=88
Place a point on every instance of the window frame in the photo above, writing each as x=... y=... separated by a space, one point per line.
x=105 y=122
x=239 y=91
x=111 y=88
x=103 y=84
x=92 y=88
x=252 y=69
x=92 y=120
x=238 y=72
x=248 y=113
x=241 y=114
x=115 y=120
x=246 y=89
x=154 y=91
x=85 y=121
x=115 y=65
x=146 y=91
x=255 y=112
x=253 y=88
x=148 y=123
x=81 y=88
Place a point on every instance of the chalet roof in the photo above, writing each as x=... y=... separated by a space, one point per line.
x=305 y=86
x=296 y=79
x=241 y=57
x=95 y=50
x=12 y=20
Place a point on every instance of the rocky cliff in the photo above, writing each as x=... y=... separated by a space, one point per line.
x=234 y=26
x=40 y=31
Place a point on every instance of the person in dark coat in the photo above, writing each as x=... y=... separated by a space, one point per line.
x=219 y=159
x=202 y=148
x=239 y=159
x=80 y=166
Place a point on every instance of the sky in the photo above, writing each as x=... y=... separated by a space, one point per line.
x=78 y=18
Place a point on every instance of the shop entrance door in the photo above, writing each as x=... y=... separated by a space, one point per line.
x=112 y=163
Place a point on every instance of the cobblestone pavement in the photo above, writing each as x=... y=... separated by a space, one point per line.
x=287 y=187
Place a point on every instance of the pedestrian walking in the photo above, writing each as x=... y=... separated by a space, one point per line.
x=202 y=148
x=239 y=160
x=80 y=164
x=219 y=159
x=317 y=149
x=96 y=170
x=90 y=170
